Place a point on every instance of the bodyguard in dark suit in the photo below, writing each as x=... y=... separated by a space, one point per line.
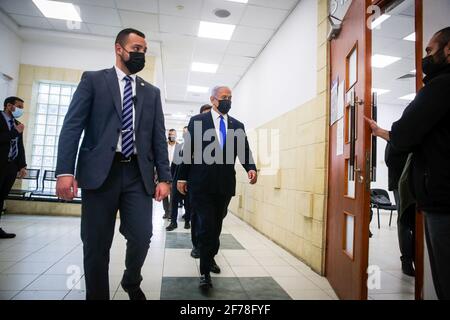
x=12 y=152
x=208 y=173
x=124 y=140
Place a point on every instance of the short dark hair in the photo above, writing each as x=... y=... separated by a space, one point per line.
x=443 y=37
x=205 y=107
x=11 y=100
x=172 y=130
x=185 y=127
x=122 y=36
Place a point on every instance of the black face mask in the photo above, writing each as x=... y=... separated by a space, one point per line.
x=136 y=62
x=172 y=139
x=224 y=106
x=430 y=67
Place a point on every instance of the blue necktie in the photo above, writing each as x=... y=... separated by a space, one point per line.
x=13 y=149
x=127 y=119
x=223 y=132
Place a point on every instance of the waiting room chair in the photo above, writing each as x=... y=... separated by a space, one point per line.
x=379 y=199
x=32 y=175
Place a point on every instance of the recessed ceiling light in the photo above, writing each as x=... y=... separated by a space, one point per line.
x=240 y=1
x=411 y=37
x=214 y=30
x=204 y=67
x=380 y=91
x=380 y=20
x=382 y=61
x=58 y=10
x=197 y=89
x=409 y=97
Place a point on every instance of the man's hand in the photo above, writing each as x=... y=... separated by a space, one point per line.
x=182 y=187
x=66 y=188
x=252 y=176
x=19 y=128
x=376 y=130
x=162 y=191
x=22 y=173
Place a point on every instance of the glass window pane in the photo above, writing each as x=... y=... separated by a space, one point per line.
x=38 y=151
x=52 y=120
x=60 y=120
x=48 y=162
x=36 y=161
x=40 y=129
x=51 y=130
x=41 y=119
x=50 y=141
x=59 y=130
x=65 y=100
x=43 y=98
x=39 y=140
x=54 y=99
x=55 y=89
x=48 y=151
x=44 y=88
x=52 y=109
x=63 y=110
x=66 y=90
x=42 y=108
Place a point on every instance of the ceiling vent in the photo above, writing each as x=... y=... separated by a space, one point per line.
x=222 y=13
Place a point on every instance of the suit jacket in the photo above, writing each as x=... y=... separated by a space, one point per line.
x=218 y=177
x=96 y=108
x=177 y=159
x=6 y=136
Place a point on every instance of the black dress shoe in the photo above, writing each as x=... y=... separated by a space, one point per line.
x=166 y=216
x=171 y=226
x=187 y=225
x=136 y=294
x=214 y=267
x=205 y=282
x=408 y=269
x=4 y=235
x=195 y=253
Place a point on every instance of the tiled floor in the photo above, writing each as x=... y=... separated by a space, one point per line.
x=384 y=252
x=44 y=261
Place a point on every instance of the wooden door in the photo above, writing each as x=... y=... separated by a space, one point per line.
x=348 y=211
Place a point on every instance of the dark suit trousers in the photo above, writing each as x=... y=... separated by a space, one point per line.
x=8 y=174
x=123 y=190
x=210 y=210
x=176 y=198
x=437 y=235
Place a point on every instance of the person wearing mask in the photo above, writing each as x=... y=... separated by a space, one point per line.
x=208 y=174
x=124 y=141
x=12 y=152
x=424 y=130
x=172 y=147
x=396 y=161
x=195 y=252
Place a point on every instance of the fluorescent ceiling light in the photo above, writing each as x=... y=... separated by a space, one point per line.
x=409 y=97
x=380 y=20
x=197 y=89
x=204 y=67
x=380 y=91
x=411 y=37
x=240 y=1
x=382 y=61
x=179 y=115
x=214 y=30
x=58 y=10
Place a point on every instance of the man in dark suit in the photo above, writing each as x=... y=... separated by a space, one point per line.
x=12 y=152
x=208 y=173
x=124 y=140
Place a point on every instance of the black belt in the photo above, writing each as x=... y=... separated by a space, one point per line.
x=119 y=157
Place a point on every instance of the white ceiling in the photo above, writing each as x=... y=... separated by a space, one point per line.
x=174 y=23
x=388 y=40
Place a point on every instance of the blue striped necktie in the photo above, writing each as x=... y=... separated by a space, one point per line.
x=127 y=119
x=13 y=149
x=223 y=132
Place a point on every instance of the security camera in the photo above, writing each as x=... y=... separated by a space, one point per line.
x=335 y=29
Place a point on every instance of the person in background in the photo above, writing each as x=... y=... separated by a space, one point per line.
x=124 y=141
x=172 y=145
x=12 y=152
x=424 y=130
x=209 y=176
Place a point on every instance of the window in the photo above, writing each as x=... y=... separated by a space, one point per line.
x=52 y=104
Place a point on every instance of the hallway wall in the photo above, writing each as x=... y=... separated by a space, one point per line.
x=288 y=205
x=9 y=55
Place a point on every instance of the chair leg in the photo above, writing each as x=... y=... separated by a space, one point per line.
x=378 y=214
x=390 y=219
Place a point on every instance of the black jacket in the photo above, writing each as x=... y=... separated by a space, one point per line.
x=424 y=129
x=395 y=161
x=6 y=136
x=214 y=178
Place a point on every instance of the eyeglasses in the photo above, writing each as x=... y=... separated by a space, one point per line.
x=224 y=98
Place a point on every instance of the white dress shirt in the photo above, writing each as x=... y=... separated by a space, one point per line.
x=216 y=119
x=120 y=77
x=171 y=150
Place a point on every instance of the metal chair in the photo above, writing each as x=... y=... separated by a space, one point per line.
x=379 y=199
x=33 y=175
